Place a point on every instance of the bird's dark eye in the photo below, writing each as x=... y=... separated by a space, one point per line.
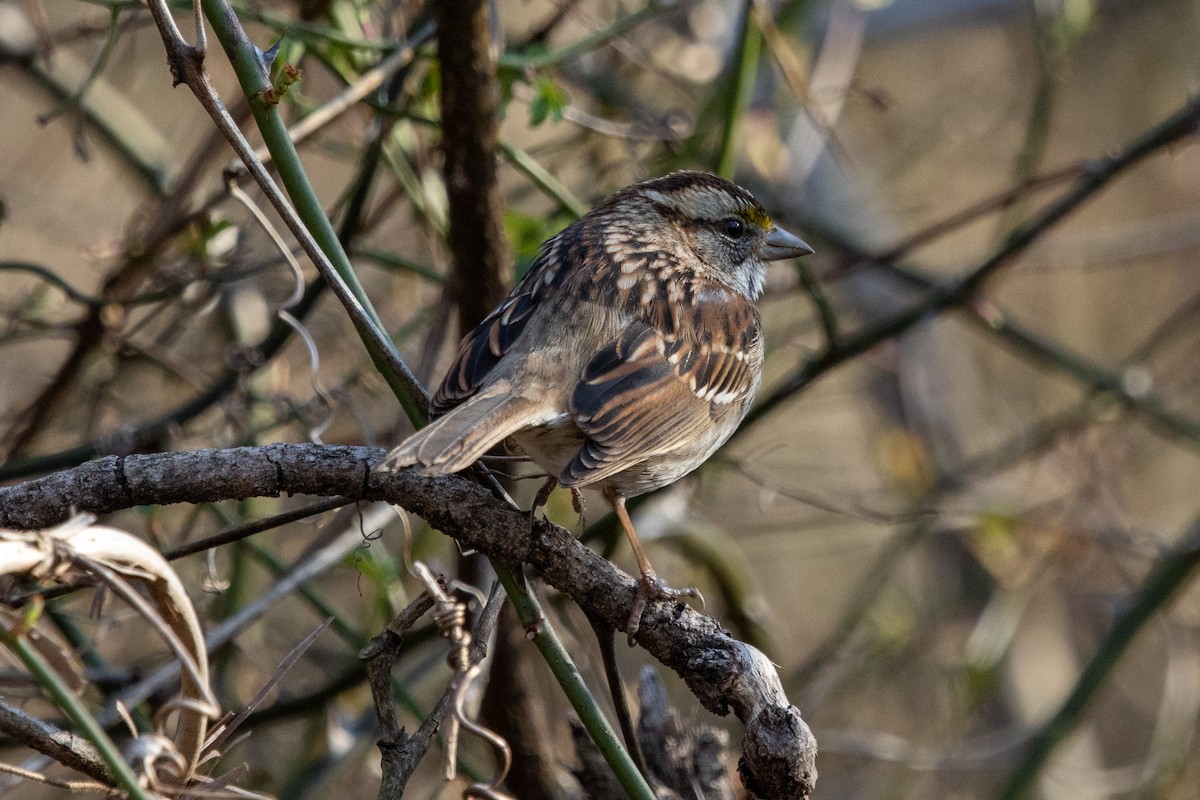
x=732 y=227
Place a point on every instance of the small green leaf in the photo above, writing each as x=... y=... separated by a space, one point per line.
x=527 y=234
x=283 y=73
x=32 y=613
x=548 y=102
x=287 y=52
x=198 y=238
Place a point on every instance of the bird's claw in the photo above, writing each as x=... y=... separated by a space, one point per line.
x=652 y=587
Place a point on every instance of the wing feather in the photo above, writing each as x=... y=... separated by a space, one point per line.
x=648 y=393
x=483 y=348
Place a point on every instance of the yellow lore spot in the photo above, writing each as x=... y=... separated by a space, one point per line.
x=758 y=217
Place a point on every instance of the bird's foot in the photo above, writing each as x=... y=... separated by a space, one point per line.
x=652 y=587
x=540 y=500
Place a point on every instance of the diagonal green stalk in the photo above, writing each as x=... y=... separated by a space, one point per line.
x=66 y=700
x=252 y=74
x=551 y=186
x=577 y=692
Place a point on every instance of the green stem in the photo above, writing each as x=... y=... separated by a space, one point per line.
x=573 y=686
x=246 y=60
x=66 y=700
x=749 y=52
x=551 y=186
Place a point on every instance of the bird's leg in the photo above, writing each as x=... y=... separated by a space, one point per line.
x=579 y=506
x=541 y=497
x=650 y=587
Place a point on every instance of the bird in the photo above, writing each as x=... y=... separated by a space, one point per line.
x=626 y=355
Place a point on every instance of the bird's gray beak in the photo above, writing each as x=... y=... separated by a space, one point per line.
x=780 y=245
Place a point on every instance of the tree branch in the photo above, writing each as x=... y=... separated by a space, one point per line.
x=64 y=747
x=482 y=265
x=726 y=675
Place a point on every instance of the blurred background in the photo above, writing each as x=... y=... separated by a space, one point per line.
x=932 y=538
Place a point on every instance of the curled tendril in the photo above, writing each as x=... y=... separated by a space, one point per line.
x=450 y=615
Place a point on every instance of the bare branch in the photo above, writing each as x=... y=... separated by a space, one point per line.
x=957 y=293
x=62 y=746
x=725 y=675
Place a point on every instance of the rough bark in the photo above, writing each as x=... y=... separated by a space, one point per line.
x=778 y=751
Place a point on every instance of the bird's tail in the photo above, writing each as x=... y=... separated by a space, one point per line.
x=460 y=438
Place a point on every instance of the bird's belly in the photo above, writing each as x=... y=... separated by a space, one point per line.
x=552 y=447
x=664 y=468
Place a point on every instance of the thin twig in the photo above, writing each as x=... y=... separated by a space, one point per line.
x=357 y=91
x=187 y=67
x=239 y=532
x=1170 y=574
x=953 y=294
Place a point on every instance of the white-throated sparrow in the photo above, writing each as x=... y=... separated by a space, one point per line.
x=626 y=356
